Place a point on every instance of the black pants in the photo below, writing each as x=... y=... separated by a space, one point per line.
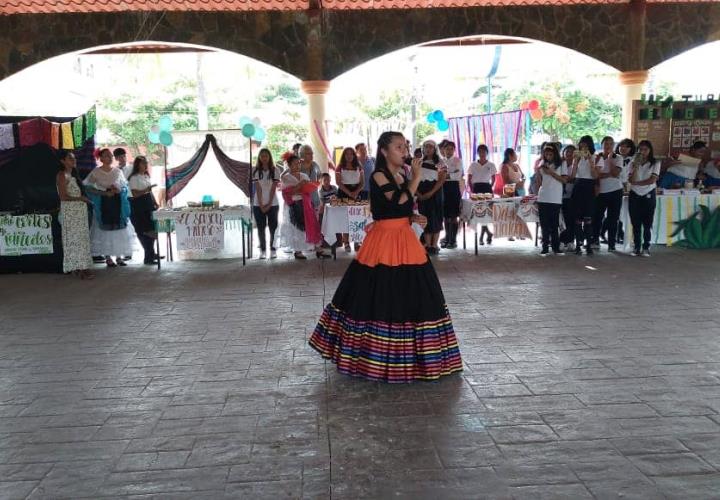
x=583 y=200
x=263 y=220
x=642 y=214
x=568 y=213
x=610 y=202
x=549 y=223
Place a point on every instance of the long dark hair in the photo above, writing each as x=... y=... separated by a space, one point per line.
x=557 y=160
x=355 y=163
x=651 y=155
x=136 y=166
x=588 y=141
x=435 y=157
x=383 y=143
x=626 y=142
x=271 y=165
x=61 y=155
x=506 y=155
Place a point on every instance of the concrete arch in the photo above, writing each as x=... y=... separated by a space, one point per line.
x=549 y=24
x=275 y=38
x=672 y=29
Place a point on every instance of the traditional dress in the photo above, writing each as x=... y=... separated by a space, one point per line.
x=75 y=229
x=388 y=320
x=110 y=233
x=293 y=228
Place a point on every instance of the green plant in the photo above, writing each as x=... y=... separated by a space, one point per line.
x=701 y=230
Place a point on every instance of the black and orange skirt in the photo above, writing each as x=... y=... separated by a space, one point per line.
x=388 y=320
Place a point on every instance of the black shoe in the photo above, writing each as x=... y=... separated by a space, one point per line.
x=589 y=250
x=578 y=250
x=545 y=251
x=98 y=259
x=489 y=238
x=611 y=248
x=127 y=257
x=443 y=243
x=557 y=251
x=451 y=246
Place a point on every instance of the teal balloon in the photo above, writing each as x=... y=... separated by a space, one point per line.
x=259 y=134
x=154 y=137
x=244 y=120
x=438 y=115
x=166 y=138
x=431 y=117
x=248 y=130
x=165 y=123
x=443 y=125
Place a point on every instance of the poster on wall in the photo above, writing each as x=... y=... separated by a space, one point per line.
x=695 y=121
x=29 y=234
x=359 y=217
x=652 y=123
x=201 y=230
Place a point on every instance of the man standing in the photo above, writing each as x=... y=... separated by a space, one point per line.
x=368 y=166
x=121 y=158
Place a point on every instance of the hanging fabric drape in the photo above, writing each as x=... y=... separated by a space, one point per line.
x=177 y=178
x=498 y=131
x=237 y=171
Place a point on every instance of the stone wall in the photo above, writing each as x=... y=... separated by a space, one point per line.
x=322 y=45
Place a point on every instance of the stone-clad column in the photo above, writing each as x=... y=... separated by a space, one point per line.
x=315 y=91
x=632 y=82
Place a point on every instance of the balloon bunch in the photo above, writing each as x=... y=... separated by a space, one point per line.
x=437 y=117
x=534 y=107
x=251 y=128
x=160 y=133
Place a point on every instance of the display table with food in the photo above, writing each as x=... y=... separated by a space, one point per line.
x=509 y=216
x=201 y=229
x=342 y=216
x=673 y=206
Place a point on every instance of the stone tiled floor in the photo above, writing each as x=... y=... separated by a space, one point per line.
x=584 y=377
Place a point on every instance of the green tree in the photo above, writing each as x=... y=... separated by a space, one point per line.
x=397 y=104
x=568 y=112
x=286 y=91
x=281 y=137
x=129 y=118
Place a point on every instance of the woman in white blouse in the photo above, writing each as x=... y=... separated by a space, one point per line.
x=350 y=180
x=110 y=233
x=452 y=194
x=552 y=175
x=641 y=203
x=481 y=179
x=266 y=178
x=584 y=174
x=609 y=198
x=143 y=204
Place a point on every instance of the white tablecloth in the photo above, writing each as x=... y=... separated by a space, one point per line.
x=335 y=220
x=509 y=216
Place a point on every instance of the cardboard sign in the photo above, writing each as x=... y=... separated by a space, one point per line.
x=651 y=122
x=695 y=121
x=359 y=217
x=201 y=230
x=26 y=234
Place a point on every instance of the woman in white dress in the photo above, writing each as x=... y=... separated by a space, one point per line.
x=73 y=218
x=110 y=233
x=293 y=229
x=350 y=180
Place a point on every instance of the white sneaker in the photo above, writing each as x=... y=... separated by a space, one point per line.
x=273 y=254
x=262 y=254
x=645 y=253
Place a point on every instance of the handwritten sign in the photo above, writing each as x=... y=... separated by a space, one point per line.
x=26 y=234
x=358 y=218
x=202 y=230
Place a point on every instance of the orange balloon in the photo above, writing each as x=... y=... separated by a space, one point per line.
x=524 y=105
x=536 y=114
x=533 y=105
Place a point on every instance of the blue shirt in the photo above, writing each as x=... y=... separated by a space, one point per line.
x=368 y=169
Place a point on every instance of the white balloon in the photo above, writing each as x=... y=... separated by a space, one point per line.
x=256 y=121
